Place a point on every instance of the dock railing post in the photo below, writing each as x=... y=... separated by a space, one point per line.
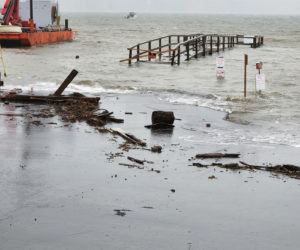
x=223 y=41
x=149 y=53
x=211 y=45
x=170 y=45
x=254 y=42
x=138 y=53
x=173 y=58
x=159 y=45
x=196 y=48
x=130 y=56
x=204 y=45
x=178 y=56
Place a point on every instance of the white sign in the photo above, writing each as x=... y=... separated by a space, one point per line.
x=248 y=39
x=260 y=82
x=220 y=61
x=220 y=73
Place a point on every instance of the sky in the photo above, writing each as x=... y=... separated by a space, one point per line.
x=183 y=6
x=189 y=6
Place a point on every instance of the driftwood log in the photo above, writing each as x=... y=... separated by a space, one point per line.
x=216 y=155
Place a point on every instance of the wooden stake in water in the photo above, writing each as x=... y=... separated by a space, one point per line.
x=245 y=75
x=2 y=59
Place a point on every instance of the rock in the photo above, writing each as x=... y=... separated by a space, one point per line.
x=156 y=149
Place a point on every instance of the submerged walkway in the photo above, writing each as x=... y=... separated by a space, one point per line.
x=175 y=48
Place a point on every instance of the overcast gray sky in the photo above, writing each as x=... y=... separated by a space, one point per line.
x=189 y=6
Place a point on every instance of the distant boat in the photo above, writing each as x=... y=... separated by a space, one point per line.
x=131 y=15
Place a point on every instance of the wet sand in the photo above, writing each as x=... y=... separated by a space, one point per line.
x=61 y=187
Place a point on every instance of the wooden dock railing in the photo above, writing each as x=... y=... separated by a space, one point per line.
x=171 y=49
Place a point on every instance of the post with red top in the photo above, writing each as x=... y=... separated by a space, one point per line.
x=245 y=75
x=259 y=66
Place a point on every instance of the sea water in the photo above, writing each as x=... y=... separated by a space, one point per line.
x=269 y=117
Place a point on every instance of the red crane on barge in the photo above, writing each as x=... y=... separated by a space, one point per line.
x=14 y=31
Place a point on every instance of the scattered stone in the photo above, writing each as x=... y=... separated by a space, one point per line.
x=121 y=212
x=212 y=177
x=156 y=149
x=37 y=123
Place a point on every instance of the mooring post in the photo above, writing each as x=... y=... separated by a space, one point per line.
x=204 y=45
x=178 y=39
x=130 y=56
x=228 y=42
x=262 y=40
x=223 y=41
x=138 y=53
x=188 y=51
x=232 y=40
x=218 y=44
x=178 y=59
x=245 y=75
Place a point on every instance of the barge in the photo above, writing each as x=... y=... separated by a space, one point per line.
x=29 y=23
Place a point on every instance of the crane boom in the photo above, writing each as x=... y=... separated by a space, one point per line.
x=10 y=12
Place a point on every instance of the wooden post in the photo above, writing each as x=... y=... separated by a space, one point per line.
x=31 y=16
x=170 y=45
x=130 y=56
x=262 y=40
x=138 y=53
x=66 y=82
x=173 y=58
x=178 y=59
x=159 y=45
x=254 y=42
x=211 y=45
x=196 y=48
x=223 y=43
x=188 y=51
x=218 y=44
x=204 y=45
x=245 y=75
x=228 y=42
x=178 y=39
x=149 y=49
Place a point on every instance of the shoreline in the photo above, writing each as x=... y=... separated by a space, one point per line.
x=62 y=185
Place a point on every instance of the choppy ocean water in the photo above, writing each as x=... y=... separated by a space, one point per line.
x=103 y=39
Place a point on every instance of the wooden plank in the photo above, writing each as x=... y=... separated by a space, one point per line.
x=46 y=99
x=66 y=82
